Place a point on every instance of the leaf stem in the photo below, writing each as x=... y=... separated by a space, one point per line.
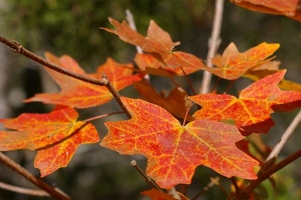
x=36 y=181
x=186 y=114
x=214 y=42
x=102 y=116
x=18 y=48
x=189 y=81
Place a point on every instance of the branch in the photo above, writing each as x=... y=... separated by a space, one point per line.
x=206 y=188
x=148 y=179
x=23 y=190
x=265 y=174
x=268 y=168
x=36 y=181
x=18 y=48
x=286 y=135
x=214 y=42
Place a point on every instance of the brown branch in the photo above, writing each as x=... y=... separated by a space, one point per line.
x=21 y=190
x=18 y=48
x=147 y=179
x=265 y=174
x=269 y=168
x=36 y=181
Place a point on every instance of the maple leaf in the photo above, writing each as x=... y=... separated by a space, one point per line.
x=176 y=102
x=160 y=45
x=233 y=64
x=150 y=65
x=173 y=150
x=55 y=136
x=277 y=7
x=269 y=68
x=80 y=94
x=251 y=111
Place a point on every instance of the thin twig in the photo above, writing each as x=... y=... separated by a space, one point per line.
x=21 y=190
x=206 y=188
x=172 y=192
x=148 y=179
x=102 y=116
x=269 y=168
x=284 y=138
x=263 y=175
x=36 y=181
x=214 y=42
x=229 y=86
x=18 y=48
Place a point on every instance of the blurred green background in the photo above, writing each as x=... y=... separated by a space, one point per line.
x=72 y=27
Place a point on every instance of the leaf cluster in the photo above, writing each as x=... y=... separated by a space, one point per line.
x=174 y=140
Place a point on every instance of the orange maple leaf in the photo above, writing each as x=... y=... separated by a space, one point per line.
x=173 y=150
x=289 y=8
x=55 y=136
x=269 y=68
x=251 y=111
x=160 y=45
x=80 y=94
x=150 y=65
x=233 y=64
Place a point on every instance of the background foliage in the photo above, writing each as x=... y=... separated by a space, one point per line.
x=72 y=27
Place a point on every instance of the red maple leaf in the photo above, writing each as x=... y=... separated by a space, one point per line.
x=251 y=111
x=55 y=135
x=160 y=45
x=289 y=8
x=80 y=94
x=173 y=150
x=233 y=64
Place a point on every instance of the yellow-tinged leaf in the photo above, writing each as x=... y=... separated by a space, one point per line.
x=79 y=94
x=232 y=64
x=251 y=111
x=159 y=44
x=173 y=150
x=55 y=135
